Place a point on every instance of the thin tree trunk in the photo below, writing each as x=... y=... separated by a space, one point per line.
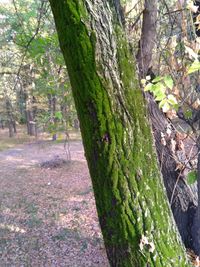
x=30 y=116
x=148 y=36
x=132 y=206
x=2 y=124
x=54 y=137
x=10 y=118
x=30 y=123
x=10 y=128
x=52 y=111
x=14 y=126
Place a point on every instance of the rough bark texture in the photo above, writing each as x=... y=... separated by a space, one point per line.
x=182 y=198
x=148 y=37
x=131 y=201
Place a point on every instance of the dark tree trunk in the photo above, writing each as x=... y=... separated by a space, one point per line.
x=2 y=124
x=182 y=199
x=22 y=105
x=196 y=226
x=14 y=126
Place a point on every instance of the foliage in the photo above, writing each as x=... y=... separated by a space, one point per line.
x=176 y=66
x=32 y=71
x=160 y=87
x=192 y=177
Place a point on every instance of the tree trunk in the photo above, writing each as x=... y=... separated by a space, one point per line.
x=30 y=123
x=52 y=111
x=132 y=206
x=10 y=118
x=148 y=37
x=54 y=137
x=30 y=115
x=14 y=126
x=10 y=128
x=2 y=124
x=183 y=200
x=21 y=101
x=196 y=226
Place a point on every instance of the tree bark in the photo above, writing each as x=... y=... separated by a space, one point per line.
x=30 y=123
x=132 y=206
x=181 y=196
x=52 y=111
x=14 y=127
x=10 y=118
x=148 y=36
x=183 y=200
x=196 y=226
x=10 y=128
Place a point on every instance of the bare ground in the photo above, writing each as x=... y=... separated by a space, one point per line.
x=47 y=216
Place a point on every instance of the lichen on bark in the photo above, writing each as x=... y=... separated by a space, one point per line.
x=129 y=192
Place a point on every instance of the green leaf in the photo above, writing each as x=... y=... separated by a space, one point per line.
x=168 y=82
x=194 y=67
x=172 y=99
x=192 y=177
x=176 y=107
x=157 y=79
x=158 y=88
x=166 y=107
x=148 y=87
x=160 y=96
x=58 y=115
x=188 y=114
x=162 y=103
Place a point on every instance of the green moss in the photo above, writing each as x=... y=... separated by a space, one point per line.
x=117 y=141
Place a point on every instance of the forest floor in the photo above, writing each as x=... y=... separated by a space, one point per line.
x=47 y=215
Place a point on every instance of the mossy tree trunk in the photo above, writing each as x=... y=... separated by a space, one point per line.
x=182 y=198
x=133 y=211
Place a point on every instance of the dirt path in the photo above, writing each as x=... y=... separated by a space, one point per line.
x=47 y=216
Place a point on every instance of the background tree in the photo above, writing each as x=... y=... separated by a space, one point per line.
x=155 y=42
x=178 y=48
x=33 y=73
